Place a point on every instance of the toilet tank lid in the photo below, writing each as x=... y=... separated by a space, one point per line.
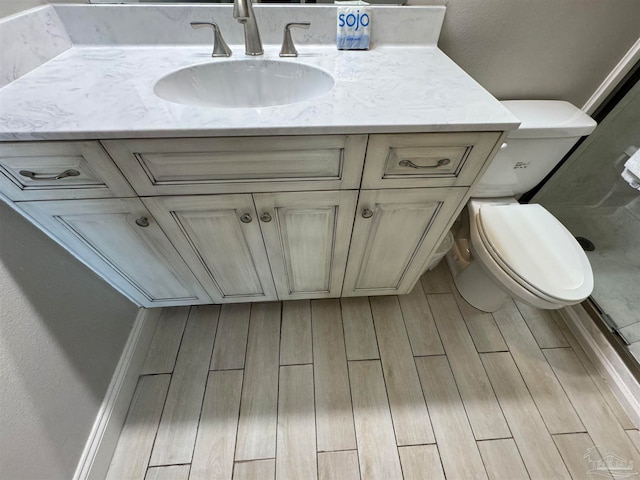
x=549 y=119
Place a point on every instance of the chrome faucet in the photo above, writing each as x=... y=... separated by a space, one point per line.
x=243 y=12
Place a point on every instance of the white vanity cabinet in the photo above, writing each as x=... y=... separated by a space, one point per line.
x=307 y=235
x=179 y=221
x=51 y=170
x=394 y=234
x=413 y=187
x=196 y=166
x=289 y=245
x=219 y=237
x=120 y=240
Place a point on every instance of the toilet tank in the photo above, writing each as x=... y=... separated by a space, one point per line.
x=547 y=132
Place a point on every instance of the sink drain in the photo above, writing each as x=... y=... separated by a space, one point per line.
x=586 y=244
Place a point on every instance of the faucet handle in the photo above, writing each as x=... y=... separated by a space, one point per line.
x=288 y=48
x=220 y=47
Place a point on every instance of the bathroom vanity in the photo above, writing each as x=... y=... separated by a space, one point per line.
x=345 y=194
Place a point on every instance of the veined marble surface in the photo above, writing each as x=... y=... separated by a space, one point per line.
x=103 y=86
x=169 y=24
x=107 y=92
x=28 y=40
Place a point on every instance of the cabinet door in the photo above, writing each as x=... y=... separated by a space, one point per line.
x=307 y=237
x=219 y=237
x=121 y=241
x=394 y=235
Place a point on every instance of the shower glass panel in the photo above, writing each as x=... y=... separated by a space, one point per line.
x=591 y=199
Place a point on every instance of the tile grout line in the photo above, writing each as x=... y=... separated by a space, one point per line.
x=542 y=350
x=204 y=391
x=406 y=332
x=552 y=371
x=483 y=368
x=538 y=409
x=603 y=401
x=275 y=456
x=244 y=376
x=346 y=358
x=313 y=380
x=384 y=380
x=164 y=404
x=591 y=369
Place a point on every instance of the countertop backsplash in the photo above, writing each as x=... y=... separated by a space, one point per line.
x=169 y=24
x=28 y=40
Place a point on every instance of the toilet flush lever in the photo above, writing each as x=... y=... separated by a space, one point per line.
x=440 y=163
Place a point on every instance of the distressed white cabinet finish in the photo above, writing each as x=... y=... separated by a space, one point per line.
x=184 y=166
x=307 y=236
x=56 y=170
x=243 y=219
x=219 y=237
x=410 y=160
x=120 y=240
x=394 y=234
x=223 y=239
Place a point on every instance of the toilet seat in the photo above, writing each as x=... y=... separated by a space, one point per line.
x=535 y=250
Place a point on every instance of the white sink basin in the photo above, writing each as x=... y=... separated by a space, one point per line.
x=244 y=84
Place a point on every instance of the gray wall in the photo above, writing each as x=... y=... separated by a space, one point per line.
x=538 y=49
x=9 y=7
x=62 y=330
x=591 y=176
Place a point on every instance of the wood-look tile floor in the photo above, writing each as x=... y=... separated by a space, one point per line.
x=421 y=386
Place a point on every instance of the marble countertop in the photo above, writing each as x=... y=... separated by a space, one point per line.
x=106 y=91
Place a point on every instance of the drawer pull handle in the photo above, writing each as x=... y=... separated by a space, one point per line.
x=441 y=163
x=366 y=213
x=34 y=176
x=265 y=217
x=142 y=222
x=246 y=218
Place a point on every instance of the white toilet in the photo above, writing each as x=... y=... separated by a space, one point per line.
x=505 y=248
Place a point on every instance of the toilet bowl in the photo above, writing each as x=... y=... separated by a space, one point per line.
x=519 y=251
x=507 y=249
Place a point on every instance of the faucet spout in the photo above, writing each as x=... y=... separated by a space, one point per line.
x=243 y=12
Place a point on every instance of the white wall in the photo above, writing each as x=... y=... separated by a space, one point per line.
x=538 y=49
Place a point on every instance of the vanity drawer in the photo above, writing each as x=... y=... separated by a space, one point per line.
x=426 y=159
x=240 y=164
x=59 y=170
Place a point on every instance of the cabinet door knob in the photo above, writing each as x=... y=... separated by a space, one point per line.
x=246 y=218
x=142 y=222
x=265 y=217
x=366 y=213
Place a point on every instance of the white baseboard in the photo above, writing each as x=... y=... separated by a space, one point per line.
x=623 y=384
x=95 y=459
